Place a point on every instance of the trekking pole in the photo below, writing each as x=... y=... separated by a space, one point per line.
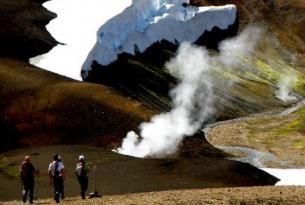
x=94 y=177
x=95 y=193
x=35 y=184
x=35 y=189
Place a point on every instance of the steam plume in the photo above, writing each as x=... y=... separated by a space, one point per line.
x=285 y=85
x=192 y=98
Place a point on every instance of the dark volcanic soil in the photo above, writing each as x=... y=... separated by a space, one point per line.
x=117 y=174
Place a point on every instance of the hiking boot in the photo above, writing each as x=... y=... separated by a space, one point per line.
x=23 y=196
x=57 y=197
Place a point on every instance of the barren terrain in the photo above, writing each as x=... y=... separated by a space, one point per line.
x=223 y=196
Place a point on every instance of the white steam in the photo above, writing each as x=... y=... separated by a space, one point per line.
x=285 y=85
x=192 y=98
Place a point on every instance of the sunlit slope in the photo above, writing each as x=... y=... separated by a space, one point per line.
x=256 y=85
x=39 y=107
x=250 y=88
x=275 y=59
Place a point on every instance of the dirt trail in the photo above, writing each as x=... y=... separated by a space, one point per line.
x=224 y=196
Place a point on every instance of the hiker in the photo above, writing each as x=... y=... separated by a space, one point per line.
x=81 y=172
x=62 y=194
x=27 y=172
x=56 y=176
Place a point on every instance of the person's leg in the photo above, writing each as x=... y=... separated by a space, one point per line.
x=24 y=193
x=31 y=190
x=63 y=191
x=79 y=179
x=85 y=184
x=82 y=187
x=61 y=186
x=56 y=189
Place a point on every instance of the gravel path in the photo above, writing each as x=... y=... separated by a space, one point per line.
x=224 y=196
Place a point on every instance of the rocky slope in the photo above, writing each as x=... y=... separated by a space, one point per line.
x=252 y=91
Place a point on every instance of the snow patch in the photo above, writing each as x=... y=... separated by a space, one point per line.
x=288 y=177
x=148 y=21
x=76 y=25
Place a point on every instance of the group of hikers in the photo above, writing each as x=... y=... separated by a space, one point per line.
x=56 y=172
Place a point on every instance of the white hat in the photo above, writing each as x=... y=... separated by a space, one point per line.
x=81 y=158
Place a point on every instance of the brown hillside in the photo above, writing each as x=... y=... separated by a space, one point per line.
x=42 y=108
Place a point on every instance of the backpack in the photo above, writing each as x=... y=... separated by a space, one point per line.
x=56 y=172
x=83 y=171
x=26 y=170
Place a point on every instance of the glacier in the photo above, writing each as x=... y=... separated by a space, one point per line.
x=146 y=22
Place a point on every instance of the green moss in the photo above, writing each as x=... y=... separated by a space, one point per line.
x=266 y=71
x=299 y=144
x=259 y=121
x=9 y=169
x=296 y=125
x=288 y=128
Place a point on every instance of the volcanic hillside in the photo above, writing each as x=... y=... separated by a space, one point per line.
x=278 y=52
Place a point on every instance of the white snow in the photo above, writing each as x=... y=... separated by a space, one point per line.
x=76 y=26
x=142 y=23
x=288 y=177
x=148 y=21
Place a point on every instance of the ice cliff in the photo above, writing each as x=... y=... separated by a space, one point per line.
x=146 y=22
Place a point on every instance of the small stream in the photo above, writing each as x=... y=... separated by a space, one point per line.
x=254 y=157
x=262 y=160
x=288 y=177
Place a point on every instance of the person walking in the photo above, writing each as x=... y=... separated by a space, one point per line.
x=81 y=172
x=56 y=175
x=27 y=172
x=62 y=194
